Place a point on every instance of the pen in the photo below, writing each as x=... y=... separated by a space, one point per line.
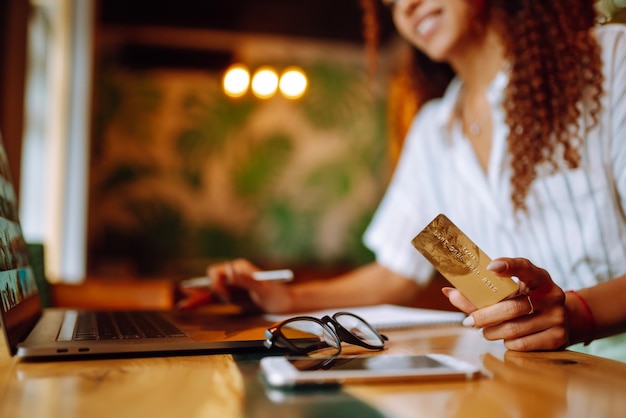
x=284 y=275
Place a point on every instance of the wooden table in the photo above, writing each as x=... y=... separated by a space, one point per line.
x=533 y=385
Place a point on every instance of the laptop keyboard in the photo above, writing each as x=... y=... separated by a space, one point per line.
x=114 y=325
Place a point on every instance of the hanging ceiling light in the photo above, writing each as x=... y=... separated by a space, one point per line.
x=236 y=80
x=293 y=83
x=264 y=82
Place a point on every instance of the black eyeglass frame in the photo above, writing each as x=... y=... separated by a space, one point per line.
x=274 y=336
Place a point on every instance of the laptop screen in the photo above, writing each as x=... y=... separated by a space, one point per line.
x=20 y=303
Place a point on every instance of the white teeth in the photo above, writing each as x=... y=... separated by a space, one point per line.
x=426 y=24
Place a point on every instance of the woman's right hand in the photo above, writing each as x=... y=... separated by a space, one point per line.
x=535 y=319
x=232 y=282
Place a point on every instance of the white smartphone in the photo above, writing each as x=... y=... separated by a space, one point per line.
x=284 y=275
x=293 y=371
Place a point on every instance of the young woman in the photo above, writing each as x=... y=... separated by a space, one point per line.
x=520 y=141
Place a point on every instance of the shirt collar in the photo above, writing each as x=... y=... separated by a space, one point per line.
x=495 y=96
x=448 y=103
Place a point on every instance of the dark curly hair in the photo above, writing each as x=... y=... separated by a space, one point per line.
x=555 y=63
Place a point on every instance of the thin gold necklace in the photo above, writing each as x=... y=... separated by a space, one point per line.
x=470 y=126
x=474 y=128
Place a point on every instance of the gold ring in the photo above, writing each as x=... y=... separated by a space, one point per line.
x=532 y=308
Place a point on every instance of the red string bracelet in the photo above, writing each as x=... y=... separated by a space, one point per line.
x=590 y=319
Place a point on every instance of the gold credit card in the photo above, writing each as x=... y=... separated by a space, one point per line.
x=462 y=263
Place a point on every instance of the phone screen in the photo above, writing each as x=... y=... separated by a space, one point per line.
x=366 y=363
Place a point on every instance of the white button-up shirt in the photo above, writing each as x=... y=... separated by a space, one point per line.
x=576 y=224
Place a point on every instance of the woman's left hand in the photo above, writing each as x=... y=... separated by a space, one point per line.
x=533 y=320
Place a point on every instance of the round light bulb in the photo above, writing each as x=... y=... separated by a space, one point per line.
x=264 y=82
x=293 y=83
x=236 y=80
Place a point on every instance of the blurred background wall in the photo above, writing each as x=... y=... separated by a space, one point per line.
x=133 y=162
x=181 y=175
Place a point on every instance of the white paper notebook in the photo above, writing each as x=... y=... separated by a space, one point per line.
x=384 y=317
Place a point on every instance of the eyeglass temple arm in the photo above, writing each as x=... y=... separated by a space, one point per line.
x=348 y=337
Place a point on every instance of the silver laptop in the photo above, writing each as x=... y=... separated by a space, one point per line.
x=32 y=331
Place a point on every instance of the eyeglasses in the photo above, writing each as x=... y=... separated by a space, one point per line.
x=310 y=335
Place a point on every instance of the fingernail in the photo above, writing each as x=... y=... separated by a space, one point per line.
x=446 y=291
x=468 y=321
x=497 y=266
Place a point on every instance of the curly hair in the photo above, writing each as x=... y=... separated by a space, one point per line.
x=555 y=70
